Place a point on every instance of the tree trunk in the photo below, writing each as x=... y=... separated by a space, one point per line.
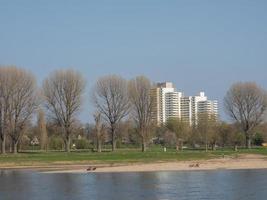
x=235 y=147
x=113 y=144
x=248 y=142
x=98 y=145
x=143 y=145
x=43 y=144
x=15 y=147
x=67 y=144
x=113 y=140
x=3 y=145
x=182 y=145
x=206 y=147
x=177 y=145
x=214 y=147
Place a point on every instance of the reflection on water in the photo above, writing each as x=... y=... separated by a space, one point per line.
x=223 y=185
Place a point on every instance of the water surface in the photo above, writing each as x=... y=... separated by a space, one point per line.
x=221 y=185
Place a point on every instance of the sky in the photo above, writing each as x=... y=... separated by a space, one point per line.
x=199 y=45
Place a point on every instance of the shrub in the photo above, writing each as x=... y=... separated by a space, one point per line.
x=56 y=143
x=82 y=144
x=258 y=139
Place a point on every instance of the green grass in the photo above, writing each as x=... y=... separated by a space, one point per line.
x=34 y=158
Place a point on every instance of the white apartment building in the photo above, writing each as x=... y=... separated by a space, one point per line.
x=163 y=103
x=208 y=107
x=170 y=103
x=193 y=106
x=186 y=109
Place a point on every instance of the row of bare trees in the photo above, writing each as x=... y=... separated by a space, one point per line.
x=245 y=103
x=61 y=95
x=115 y=100
x=18 y=101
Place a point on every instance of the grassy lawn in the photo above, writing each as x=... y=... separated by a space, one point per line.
x=120 y=156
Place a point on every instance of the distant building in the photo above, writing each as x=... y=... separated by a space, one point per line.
x=169 y=103
x=160 y=104
x=173 y=105
x=186 y=109
x=194 y=106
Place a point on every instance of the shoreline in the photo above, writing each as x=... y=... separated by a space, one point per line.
x=247 y=161
x=228 y=163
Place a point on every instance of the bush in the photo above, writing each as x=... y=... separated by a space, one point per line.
x=169 y=139
x=56 y=143
x=258 y=139
x=82 y=144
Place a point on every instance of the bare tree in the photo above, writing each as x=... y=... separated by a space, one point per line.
x=224 y=130
x=63 y=91
x=99 y=131
x=237 y=138
x=6 y=91
x=127 y=133
x=181 y=130
x=246 y=103
x=18 y=102
x=142 y=102
x=42 y=131
x=207 y=126
x=111 y=99
x=169 y=138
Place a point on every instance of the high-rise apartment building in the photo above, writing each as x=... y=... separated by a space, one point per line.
x=163 y=104
x=209 y=108
x=193 y=107
x=173 y=105
x=186 y=109
x=170 y=103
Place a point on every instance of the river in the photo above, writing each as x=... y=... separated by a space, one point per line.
x=214 y=185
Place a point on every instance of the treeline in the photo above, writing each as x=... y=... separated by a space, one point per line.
x=47 y=116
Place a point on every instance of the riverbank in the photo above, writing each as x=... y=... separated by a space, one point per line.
x=120 y=156
x=132 y=160
x=246 y=161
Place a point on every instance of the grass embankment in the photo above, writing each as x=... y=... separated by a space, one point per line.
x=121 y=156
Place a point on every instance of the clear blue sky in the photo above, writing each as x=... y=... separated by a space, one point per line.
x=197 y=44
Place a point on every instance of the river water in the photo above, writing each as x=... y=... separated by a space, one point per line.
x=214 y=185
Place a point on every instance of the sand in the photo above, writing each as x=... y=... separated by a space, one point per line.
x=228 y=163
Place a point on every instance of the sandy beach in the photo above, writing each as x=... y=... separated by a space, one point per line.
x=248 y=161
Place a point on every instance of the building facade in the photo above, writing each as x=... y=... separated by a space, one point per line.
x=168 y=103
x=161 y=94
